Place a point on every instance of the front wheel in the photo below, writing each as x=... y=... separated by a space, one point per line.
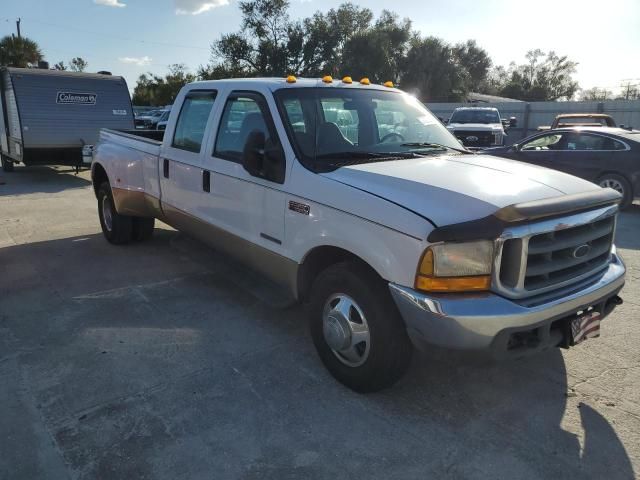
x=356 y=328
x=620 y=185
x=116 y=228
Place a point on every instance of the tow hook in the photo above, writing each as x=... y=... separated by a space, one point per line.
x=612 y=303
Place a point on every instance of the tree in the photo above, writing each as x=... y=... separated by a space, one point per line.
x=158 y=91
x=431 y=71
x=78 y=64
x=378 y=52
x=596 y=94
x=544 y=77
x=19 y=52
x=475 y=60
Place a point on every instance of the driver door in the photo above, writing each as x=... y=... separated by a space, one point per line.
x=542 y=150
x=248 y=206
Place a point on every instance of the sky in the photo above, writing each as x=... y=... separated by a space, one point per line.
x=131 y=37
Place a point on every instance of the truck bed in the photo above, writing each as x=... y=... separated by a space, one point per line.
x=148 y=141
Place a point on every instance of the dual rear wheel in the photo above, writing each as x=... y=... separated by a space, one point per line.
x=120 y=229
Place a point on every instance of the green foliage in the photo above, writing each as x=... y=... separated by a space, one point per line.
x=78 y=64
x=159 y=91
x=544 y=77
x=349 y=40
x=19 y=52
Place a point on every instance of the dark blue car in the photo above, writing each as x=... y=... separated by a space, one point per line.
x=609 y=157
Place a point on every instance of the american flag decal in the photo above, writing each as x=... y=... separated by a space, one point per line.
x=585 y=326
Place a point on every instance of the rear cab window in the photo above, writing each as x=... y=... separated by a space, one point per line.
x=192 y=120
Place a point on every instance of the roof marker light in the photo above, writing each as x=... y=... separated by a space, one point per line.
x=291 y=79
x=365 y=81
x=327 y=79
x=347 y=79
x=388 y=84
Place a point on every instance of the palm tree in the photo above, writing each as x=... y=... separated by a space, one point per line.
x=19 y=52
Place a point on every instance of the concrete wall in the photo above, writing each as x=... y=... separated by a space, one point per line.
x=532 y=115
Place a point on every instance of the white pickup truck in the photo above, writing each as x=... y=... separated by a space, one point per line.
x=359 y=202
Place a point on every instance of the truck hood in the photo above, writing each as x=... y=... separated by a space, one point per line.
x=448 y=189
x=480 y=127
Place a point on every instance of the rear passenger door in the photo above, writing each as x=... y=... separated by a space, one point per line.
x=181 y=170
x=587 y=155
x=248 y=206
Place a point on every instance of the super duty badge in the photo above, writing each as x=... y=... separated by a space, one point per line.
x=76 y=98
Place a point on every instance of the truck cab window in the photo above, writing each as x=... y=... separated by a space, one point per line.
x=243 y=114
x=192 y=121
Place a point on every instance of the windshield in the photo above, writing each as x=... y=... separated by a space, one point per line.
x=329 y=127
x=475 y=116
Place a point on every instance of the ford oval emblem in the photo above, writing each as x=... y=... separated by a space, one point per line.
x=581 y=251
x=472 y=138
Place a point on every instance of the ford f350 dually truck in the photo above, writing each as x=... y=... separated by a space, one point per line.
x=360 y=203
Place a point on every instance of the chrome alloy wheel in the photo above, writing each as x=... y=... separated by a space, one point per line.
x=346 y=330
x=612 y=183
x=107 y=215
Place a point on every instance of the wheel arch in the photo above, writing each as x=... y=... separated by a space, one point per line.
x=320 y=258
x=98 y=176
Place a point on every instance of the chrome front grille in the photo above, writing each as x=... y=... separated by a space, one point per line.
x=547 y=255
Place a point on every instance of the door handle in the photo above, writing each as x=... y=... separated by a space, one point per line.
x=165 y=168
x=206 y=180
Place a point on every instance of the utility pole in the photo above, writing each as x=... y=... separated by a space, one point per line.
x=18 y=26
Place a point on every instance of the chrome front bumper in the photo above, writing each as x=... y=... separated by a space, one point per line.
x=484 y=321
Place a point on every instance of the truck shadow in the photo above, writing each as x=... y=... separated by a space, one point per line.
x=41 y=179
x=507 y=419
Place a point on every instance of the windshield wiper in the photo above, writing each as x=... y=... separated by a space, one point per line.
x=433 y=145
x=359 y=155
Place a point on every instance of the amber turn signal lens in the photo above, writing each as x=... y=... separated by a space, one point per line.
x=327 y=79
x=388 y=84
x=347 y=80
x=453 y=284
x=291 y=79
x=365 y=81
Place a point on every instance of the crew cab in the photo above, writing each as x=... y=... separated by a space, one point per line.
x=479 y=127
x=359 y=203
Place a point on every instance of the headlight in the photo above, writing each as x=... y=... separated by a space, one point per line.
x=456 y=267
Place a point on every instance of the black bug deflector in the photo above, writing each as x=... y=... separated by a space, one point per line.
x=491 y=226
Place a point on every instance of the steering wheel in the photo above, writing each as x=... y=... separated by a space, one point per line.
x=391 y=135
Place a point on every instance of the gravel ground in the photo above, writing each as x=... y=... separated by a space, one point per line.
x=165 y=360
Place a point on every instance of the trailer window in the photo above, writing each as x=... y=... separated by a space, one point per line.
x=192 y=121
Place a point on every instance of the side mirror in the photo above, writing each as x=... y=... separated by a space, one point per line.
x=262 y=158
x=513 y=122
x=514 y=147
x=446 y=121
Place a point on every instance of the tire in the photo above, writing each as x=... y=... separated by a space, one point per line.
x=117 y=229
x=383 y=356
x=7 y=165
x=621 y=185
x=142 y=228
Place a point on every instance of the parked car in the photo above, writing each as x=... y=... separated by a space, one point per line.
x=161 y=124
x=478 y=127
x=607 y=156
x=567 y=120
x=398 y=238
